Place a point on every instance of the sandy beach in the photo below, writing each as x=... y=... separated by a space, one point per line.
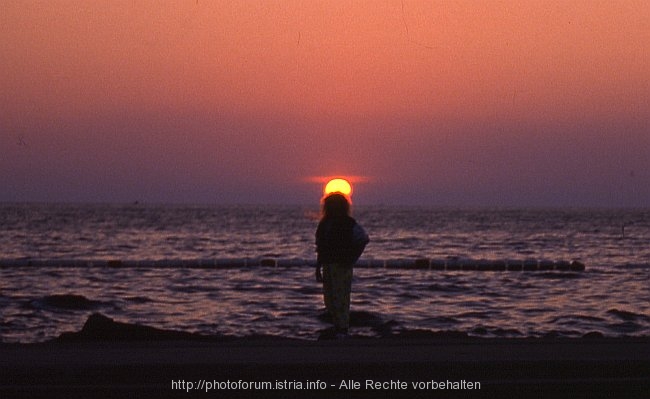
x=259 y=367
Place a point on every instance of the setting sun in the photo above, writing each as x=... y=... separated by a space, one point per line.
x=338 y=186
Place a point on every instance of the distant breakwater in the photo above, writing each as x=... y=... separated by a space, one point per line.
x=449 y=264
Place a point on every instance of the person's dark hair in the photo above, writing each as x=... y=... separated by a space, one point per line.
x=336 y=206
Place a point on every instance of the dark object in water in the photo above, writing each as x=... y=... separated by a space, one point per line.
x=99 y=327
x=577 y=266
x=70 y=301
x=420 y=263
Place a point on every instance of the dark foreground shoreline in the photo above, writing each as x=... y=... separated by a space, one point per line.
x=138 y=364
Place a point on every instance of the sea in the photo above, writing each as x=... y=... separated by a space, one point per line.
x=248 y=271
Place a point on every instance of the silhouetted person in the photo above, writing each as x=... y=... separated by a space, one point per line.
x=340 y=241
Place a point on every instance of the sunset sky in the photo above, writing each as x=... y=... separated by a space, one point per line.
x=471 y=103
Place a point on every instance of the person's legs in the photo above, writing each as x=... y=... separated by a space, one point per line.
x=327 y=287
x=337 y=285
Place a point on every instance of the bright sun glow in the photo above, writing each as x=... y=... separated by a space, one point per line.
x=338 y=186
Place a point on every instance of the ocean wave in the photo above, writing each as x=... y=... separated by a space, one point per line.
x=628 y=316
x=67 y=302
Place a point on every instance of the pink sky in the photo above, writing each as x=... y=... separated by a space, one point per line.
x=480 y=103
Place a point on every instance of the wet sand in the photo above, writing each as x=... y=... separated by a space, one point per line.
x=598 y=367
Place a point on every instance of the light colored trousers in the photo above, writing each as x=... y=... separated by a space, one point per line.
x=337 y=285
